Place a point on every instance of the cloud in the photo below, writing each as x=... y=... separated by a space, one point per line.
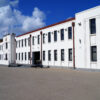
x=12 y=3
x=13 y=21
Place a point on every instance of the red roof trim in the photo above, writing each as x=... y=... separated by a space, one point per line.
x=48 y=26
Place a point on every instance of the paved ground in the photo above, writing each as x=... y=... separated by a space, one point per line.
x=48 y=84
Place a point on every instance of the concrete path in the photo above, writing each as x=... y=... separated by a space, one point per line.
x=48 y=84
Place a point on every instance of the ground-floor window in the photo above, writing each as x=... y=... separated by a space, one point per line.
x=49 y=55
x=93 y=53
x=25 y=56
x=62 y=54
x=70 y=54
x=6 y=57
x=44 y=55
x=55 y=55
x=22 y=56
x=19 y=56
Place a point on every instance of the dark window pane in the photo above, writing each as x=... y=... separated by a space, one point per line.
x=62 y=34
x=62 y=54
x=93 y=53
x=55 y=35
x=49 y=37
x=33 y=40
x=93 y=26
x=70 y=54
x=43 y=55
x=55 y=55
x=49 y=55
x=43 y=38
x=38 y=39
x=69 y=32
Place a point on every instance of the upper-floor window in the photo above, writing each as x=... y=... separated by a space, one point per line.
x=29 y=41
x=33 y=40
x=93 y=53
x=69 y=32
x=38 y=40
x=49 y=36
x=25 y=42
x=70 y=54
x=55 y=35
x=44 y=38
x=55 y=55
x=62 y=34
x=6 y=45
x=19 y=43
x=62 y=54
x=49 y=55
x=93 y=26
x=22 y=42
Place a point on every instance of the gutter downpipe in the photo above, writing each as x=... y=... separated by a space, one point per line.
x=30 y=51
x=73 y=25
x=41 y=47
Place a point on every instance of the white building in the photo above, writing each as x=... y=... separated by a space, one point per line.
x=70 y=43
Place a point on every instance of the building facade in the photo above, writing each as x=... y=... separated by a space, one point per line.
x=70 y=43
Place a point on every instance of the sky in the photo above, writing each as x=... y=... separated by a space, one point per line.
x=21 y=16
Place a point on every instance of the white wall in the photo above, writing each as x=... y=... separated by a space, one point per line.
x=82 y=50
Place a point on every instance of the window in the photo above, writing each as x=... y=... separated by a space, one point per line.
x=19 y=56
x=22 y=43
x=25 y=56
x=70 y=54
x=44 y=55
x=28 y=55
x=25 y=42
x=6 y=57
x=62 y=54
x=16 y=56
x=38 y=39
x=19 y=43
x=43 y=38
x=55 y=55
x=6 y=45
x=55 y=35
x=49 y=37
x=49 y=55
x=93 y=53
x=22 y=56
x=29 y=41
x=93 y=26
x=62 y=34
x=69 y=32
x=33 y=40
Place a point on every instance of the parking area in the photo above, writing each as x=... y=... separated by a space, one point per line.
x=48 y=84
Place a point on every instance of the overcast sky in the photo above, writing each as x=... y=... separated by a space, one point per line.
x=20 y=16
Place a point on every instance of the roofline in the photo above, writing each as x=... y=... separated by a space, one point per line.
x=70 y=19
x=88 y=10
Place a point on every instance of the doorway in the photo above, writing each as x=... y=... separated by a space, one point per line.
x=36 y=58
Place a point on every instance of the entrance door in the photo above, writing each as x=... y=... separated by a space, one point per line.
x=36 y=57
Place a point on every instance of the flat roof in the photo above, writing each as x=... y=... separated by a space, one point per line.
x=67 y=20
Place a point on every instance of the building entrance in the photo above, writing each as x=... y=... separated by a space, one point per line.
x=36 y=58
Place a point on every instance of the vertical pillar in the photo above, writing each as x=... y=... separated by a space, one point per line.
x=41 y=46
x=30 y=50
x=73 y=26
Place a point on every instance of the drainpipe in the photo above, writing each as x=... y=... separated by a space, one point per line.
x=73 y=26
x=30 y=51
x=41 y=46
